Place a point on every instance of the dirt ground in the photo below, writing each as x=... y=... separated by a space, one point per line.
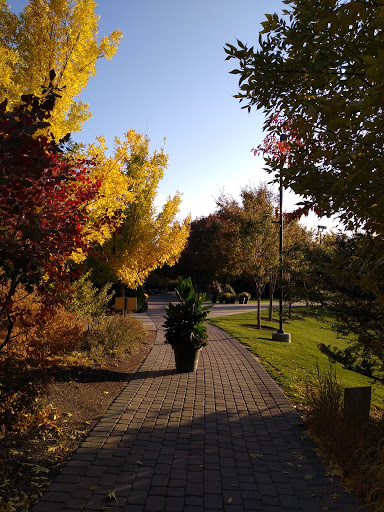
x=75 y=400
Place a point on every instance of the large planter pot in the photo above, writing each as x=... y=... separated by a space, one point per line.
x=186 y=358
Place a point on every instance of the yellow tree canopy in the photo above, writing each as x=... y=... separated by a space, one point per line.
x=147 y=238
x=158 y=242
x=63 y=35
x=118 y=189
x=52 y=34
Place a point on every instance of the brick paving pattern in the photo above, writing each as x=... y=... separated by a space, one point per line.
x=222 y=439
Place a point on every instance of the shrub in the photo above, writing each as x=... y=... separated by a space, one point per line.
x=61 y=334
x=243 y=297
x=114 y=335
x=142 y=300
x=214 y=289
x=45 y=333
x=226 y=297
x=87 y=301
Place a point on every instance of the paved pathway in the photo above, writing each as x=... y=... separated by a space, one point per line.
x=222 y=439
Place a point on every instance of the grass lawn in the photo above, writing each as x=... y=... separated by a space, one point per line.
x=292 y=364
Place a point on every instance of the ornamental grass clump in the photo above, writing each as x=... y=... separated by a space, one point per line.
x=355 y=453
x=114 y=335
x=324 y=400
x=185 y=321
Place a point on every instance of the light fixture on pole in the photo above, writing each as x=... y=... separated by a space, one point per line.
x=320 y=229
x=280 y=334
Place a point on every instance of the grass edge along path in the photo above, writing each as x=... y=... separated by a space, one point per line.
x=293 y=364
x=357 y=456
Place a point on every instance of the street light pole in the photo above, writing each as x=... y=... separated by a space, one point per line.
x=280 y=334
x=320 y=229
x=281 y=245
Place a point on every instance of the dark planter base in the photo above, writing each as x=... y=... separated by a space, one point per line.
x=186 y=358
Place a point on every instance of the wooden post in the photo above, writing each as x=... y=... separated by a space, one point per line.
x=120 y=304
x=357 y=404
x=131 y=303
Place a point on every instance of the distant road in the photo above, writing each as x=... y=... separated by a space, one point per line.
x=235 y=309
x=217 y=308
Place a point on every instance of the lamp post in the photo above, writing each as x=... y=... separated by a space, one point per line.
x=280 y=334
x=320 y=229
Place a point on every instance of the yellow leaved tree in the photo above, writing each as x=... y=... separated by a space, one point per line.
x=62 y=35
x=52 y=34
x=117 y=190
x=147 y=238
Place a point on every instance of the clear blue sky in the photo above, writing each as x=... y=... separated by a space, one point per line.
x=170 y=79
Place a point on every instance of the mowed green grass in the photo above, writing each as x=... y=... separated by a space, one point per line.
x=293 y=364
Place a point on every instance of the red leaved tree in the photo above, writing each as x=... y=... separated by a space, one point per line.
x=279 y=152
x=43 y=208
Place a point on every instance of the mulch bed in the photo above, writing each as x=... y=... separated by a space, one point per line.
x=75 y=400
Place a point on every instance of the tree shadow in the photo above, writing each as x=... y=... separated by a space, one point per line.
x=263 y=327
x=228 y=457
x=85 y=374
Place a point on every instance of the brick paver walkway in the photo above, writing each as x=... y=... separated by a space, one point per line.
x=222 y=439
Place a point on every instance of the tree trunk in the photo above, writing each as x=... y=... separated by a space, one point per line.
x=258 y=291
x=122 y=294
x=9 y=332
x=272 y=284
x=15 y=281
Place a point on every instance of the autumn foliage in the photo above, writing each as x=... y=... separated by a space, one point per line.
x=148 y=237
x=50 y=333
x=321 y=65
x=43 y=204
x=275 y=147
x=59 y=202
x=53 y=34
